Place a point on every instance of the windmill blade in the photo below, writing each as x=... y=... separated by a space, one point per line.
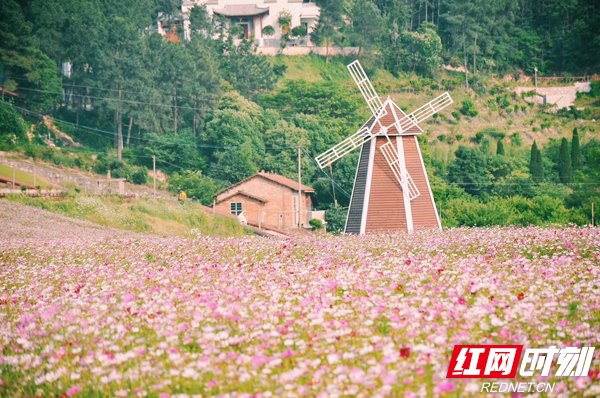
x=424 y=112
x=343 y=148
x=390 y=153
x=366 y=89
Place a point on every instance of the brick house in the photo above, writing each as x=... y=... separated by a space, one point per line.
x=272 y=197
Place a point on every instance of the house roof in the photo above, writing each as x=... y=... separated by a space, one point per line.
x=276 y=178
x=243 y=194
x=241 y=10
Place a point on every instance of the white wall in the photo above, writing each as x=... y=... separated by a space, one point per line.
x=301 y=12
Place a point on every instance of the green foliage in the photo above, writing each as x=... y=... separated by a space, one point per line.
x=500 y=148
x=576 y=161
x=469 y=170
x=194 y=185
x=12 y=127
x=316 y=224
x=268 y=30
x=468 y=108
x=299 y=31
x=516 y=139
x=536 y=167
x=420 y=51
x=565 y=170
x=336 y=219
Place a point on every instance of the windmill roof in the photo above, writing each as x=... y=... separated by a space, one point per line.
x=388 y=119
x=241 y=10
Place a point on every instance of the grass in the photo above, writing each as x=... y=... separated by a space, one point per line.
x=140 y=215
x=21 y=176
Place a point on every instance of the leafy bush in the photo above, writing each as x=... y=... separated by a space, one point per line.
x=12 y=127
x=299 y=31
x=194 y=184
x=336 y=219
x=442 y=137
x=316 y=224
x=268 y=30
x=516 y=139
x=459 y=137
x=468 y=108
x=456 y=115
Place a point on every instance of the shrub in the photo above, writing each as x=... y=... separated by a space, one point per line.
x=516 y=139
x=456 y=115
x=479 y=136
x=316 y=224
x=441 y=137
x=459 y=137
x=299 y=31
x=516 y=108
x=268 y=30
x=12 y=127
x=468 y=108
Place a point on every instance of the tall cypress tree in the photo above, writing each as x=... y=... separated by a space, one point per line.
x=500 y=148
x=565 y=172
x=535 y=164
x=575 y=151
x=539 y=165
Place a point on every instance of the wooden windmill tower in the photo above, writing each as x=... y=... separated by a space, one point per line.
x=391 y=189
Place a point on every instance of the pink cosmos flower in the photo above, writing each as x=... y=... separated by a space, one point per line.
x=582 y=382
x=73 y=390
x=259 y=360
x=357 y=376
x=444 y=386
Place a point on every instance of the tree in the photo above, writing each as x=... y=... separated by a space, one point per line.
x=366 y=25
x=565 y=170
x=421 y=51
x=500 y=148
x=536 y=169
x=470 y=170
x=575 y=151
x=329 y=22
x=194 y=184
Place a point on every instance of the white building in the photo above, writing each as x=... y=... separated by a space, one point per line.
x=254 y=15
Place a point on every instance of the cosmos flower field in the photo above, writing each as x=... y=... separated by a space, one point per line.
x=309 y=316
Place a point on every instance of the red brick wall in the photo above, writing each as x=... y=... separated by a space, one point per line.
x=279 y=204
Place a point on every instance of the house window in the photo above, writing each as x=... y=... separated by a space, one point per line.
x=236 y=208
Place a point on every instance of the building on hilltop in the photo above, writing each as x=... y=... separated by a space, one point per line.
x=254 y=15
x=267 y=198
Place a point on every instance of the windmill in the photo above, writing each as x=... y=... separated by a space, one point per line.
x=391 y=189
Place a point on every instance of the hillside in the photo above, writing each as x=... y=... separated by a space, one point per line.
x=156 y=217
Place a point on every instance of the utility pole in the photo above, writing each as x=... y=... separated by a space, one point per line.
x=299 y=189
x=154 y=167
x=535 y=78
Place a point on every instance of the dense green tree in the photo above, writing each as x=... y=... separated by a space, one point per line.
x=575 y=151
x=536 y=168
x=366 y=25
x=331 y=19
x=469 y=170
x=565 y=171
x=500 y=148
x=194 y=184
